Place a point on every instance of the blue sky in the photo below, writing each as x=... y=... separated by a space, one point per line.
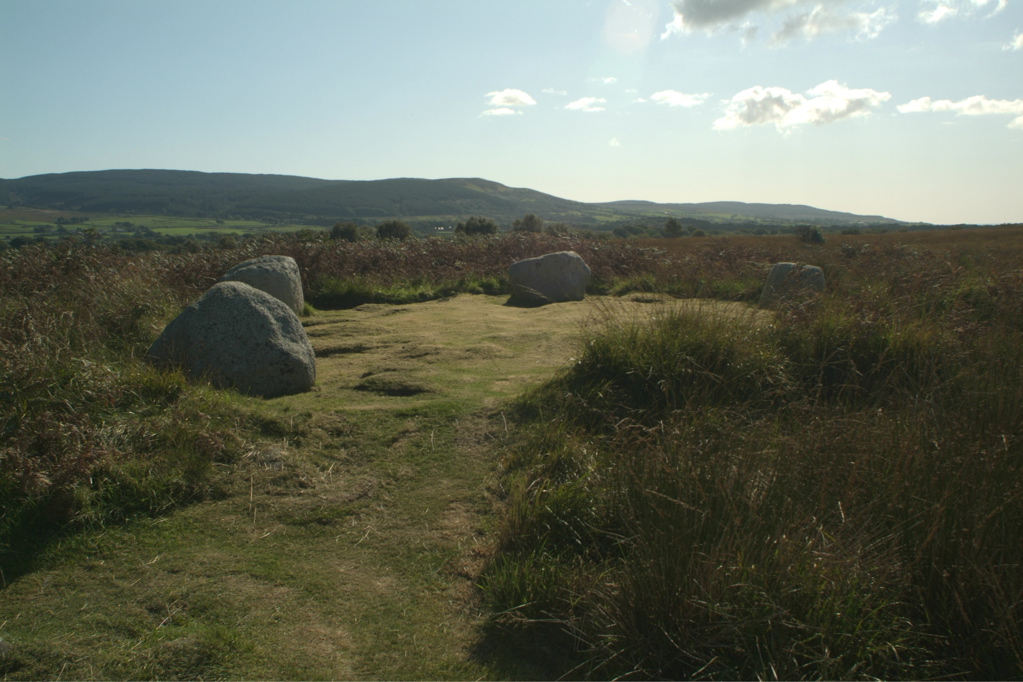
x=911 y=109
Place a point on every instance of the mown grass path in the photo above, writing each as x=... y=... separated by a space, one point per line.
x=345 y=543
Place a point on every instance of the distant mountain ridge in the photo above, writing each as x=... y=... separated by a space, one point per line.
x=287 y=197
x=774 y=212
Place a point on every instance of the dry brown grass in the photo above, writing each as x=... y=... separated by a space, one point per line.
x=937 y=238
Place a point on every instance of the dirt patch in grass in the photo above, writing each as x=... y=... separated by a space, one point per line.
x=391 y=382
x=343 y=349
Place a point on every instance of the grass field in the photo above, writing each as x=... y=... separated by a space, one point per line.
x=342 y=537
x=29 y=222
x=639 y=485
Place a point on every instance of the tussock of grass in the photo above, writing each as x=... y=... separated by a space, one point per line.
x=683 y=357
x=88 y=434
x=834 y=493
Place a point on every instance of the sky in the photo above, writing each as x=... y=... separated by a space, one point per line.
x=909 y=109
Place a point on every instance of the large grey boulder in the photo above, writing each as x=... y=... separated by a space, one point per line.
x=552 y=278
x=239 y=337
x=278 y=276
x=787 y=280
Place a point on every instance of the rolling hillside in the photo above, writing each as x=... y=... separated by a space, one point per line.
x=195 y=194
x=784 y=213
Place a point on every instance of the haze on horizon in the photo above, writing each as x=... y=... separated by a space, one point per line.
x=910 y=109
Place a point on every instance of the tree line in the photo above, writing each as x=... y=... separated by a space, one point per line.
x=470 y=227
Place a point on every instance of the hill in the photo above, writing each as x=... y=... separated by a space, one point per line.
x=783 y=213
x=316 y=201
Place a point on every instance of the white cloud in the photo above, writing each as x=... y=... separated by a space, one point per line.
x=502 y=101
x=978 y=105
x=934 y=12
x=552 y=91
x=587 y=104
x=937 y=14
x=501 y=111
x=818 y=21
x=510 y=98
x=610 y=80
x=823 y=16
x=916 y=106
x=1016 y=43
x=675 y=26
x=673 y=98
x=709 y=15
x=999 y=5
x=613 y=142
x=827 y=103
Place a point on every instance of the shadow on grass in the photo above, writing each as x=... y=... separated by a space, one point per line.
x=529 y=651
x=24 y=542
x=336 y=294
x=526 y=303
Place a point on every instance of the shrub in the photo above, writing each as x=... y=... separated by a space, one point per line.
x=528 y=223
x=348 y=232
x=673 y=228
x=227 y=241
x=476 y=225
x=808 y=234
x=393 y=229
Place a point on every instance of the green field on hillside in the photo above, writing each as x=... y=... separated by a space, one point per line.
x=25 y=222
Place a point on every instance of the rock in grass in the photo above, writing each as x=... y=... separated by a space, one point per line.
x=552 y=278
x=278 y=276
x=791 y=279
x=239 y=337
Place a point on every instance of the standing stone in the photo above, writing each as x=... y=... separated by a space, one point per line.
x=790 y=279
x=278 y=276
x=239 y=337
x=552 y=278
